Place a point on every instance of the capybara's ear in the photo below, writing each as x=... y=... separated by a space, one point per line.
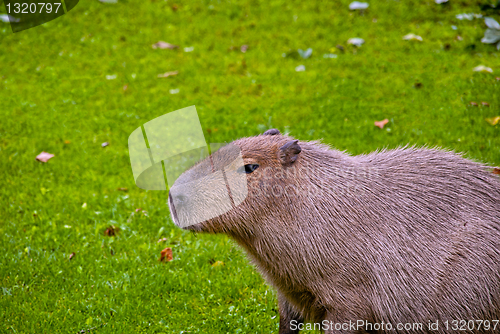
x=289 y=152
x=272 y=132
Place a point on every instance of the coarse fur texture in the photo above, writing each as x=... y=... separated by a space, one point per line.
x=409 y=235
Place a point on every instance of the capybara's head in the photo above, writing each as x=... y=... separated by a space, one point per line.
x=237 y=185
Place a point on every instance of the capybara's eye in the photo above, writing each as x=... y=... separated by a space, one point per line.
x=247 y=169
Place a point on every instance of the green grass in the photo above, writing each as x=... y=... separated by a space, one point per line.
x=53 y=88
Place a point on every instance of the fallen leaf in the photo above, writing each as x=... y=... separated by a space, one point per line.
x=168 y=74
x=164 y=45
x=412 y=37
x=217 y=264
x=300 y=68
x=111 y=231
x=472 y=103
x=468 y=16
x=8 y=18
x=356 y=41
x=72 y=255
x=482 y=69
x=44 y=156
x=381 y=124
x=305 y=53
x=244 y=48
x=356 y=5
x=330 y=55
x=496 y=170
x=491 y=23
x=105 y=144
x=486 y=104
x=166 y=255
x=493 y=120
x=122 y=189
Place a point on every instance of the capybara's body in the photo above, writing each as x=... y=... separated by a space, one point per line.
x=402 y=236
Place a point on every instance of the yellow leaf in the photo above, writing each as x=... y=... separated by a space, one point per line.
x=493 y=120
x=218 y=264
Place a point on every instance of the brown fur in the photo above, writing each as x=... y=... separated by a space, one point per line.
x=399 y=236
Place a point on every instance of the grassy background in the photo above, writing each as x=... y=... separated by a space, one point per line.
x=55 y=96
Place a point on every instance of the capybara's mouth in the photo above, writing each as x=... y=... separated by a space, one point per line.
x=175 y=218
x=172 y=210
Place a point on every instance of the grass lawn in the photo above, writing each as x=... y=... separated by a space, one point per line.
x=91 y=76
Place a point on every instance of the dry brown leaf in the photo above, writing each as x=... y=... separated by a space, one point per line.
x=44 y=156
x=212 y=130
x=168 y=74
x=382 y=123
x=493 y=120
x=496 y=170
x=164 y=45
x=122 y=189
x=472 y=103
x=166 y=255
x=72 y=255
x=486 y=104
x=111 y=231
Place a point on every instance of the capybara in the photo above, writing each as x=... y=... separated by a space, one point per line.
x=395 y=241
